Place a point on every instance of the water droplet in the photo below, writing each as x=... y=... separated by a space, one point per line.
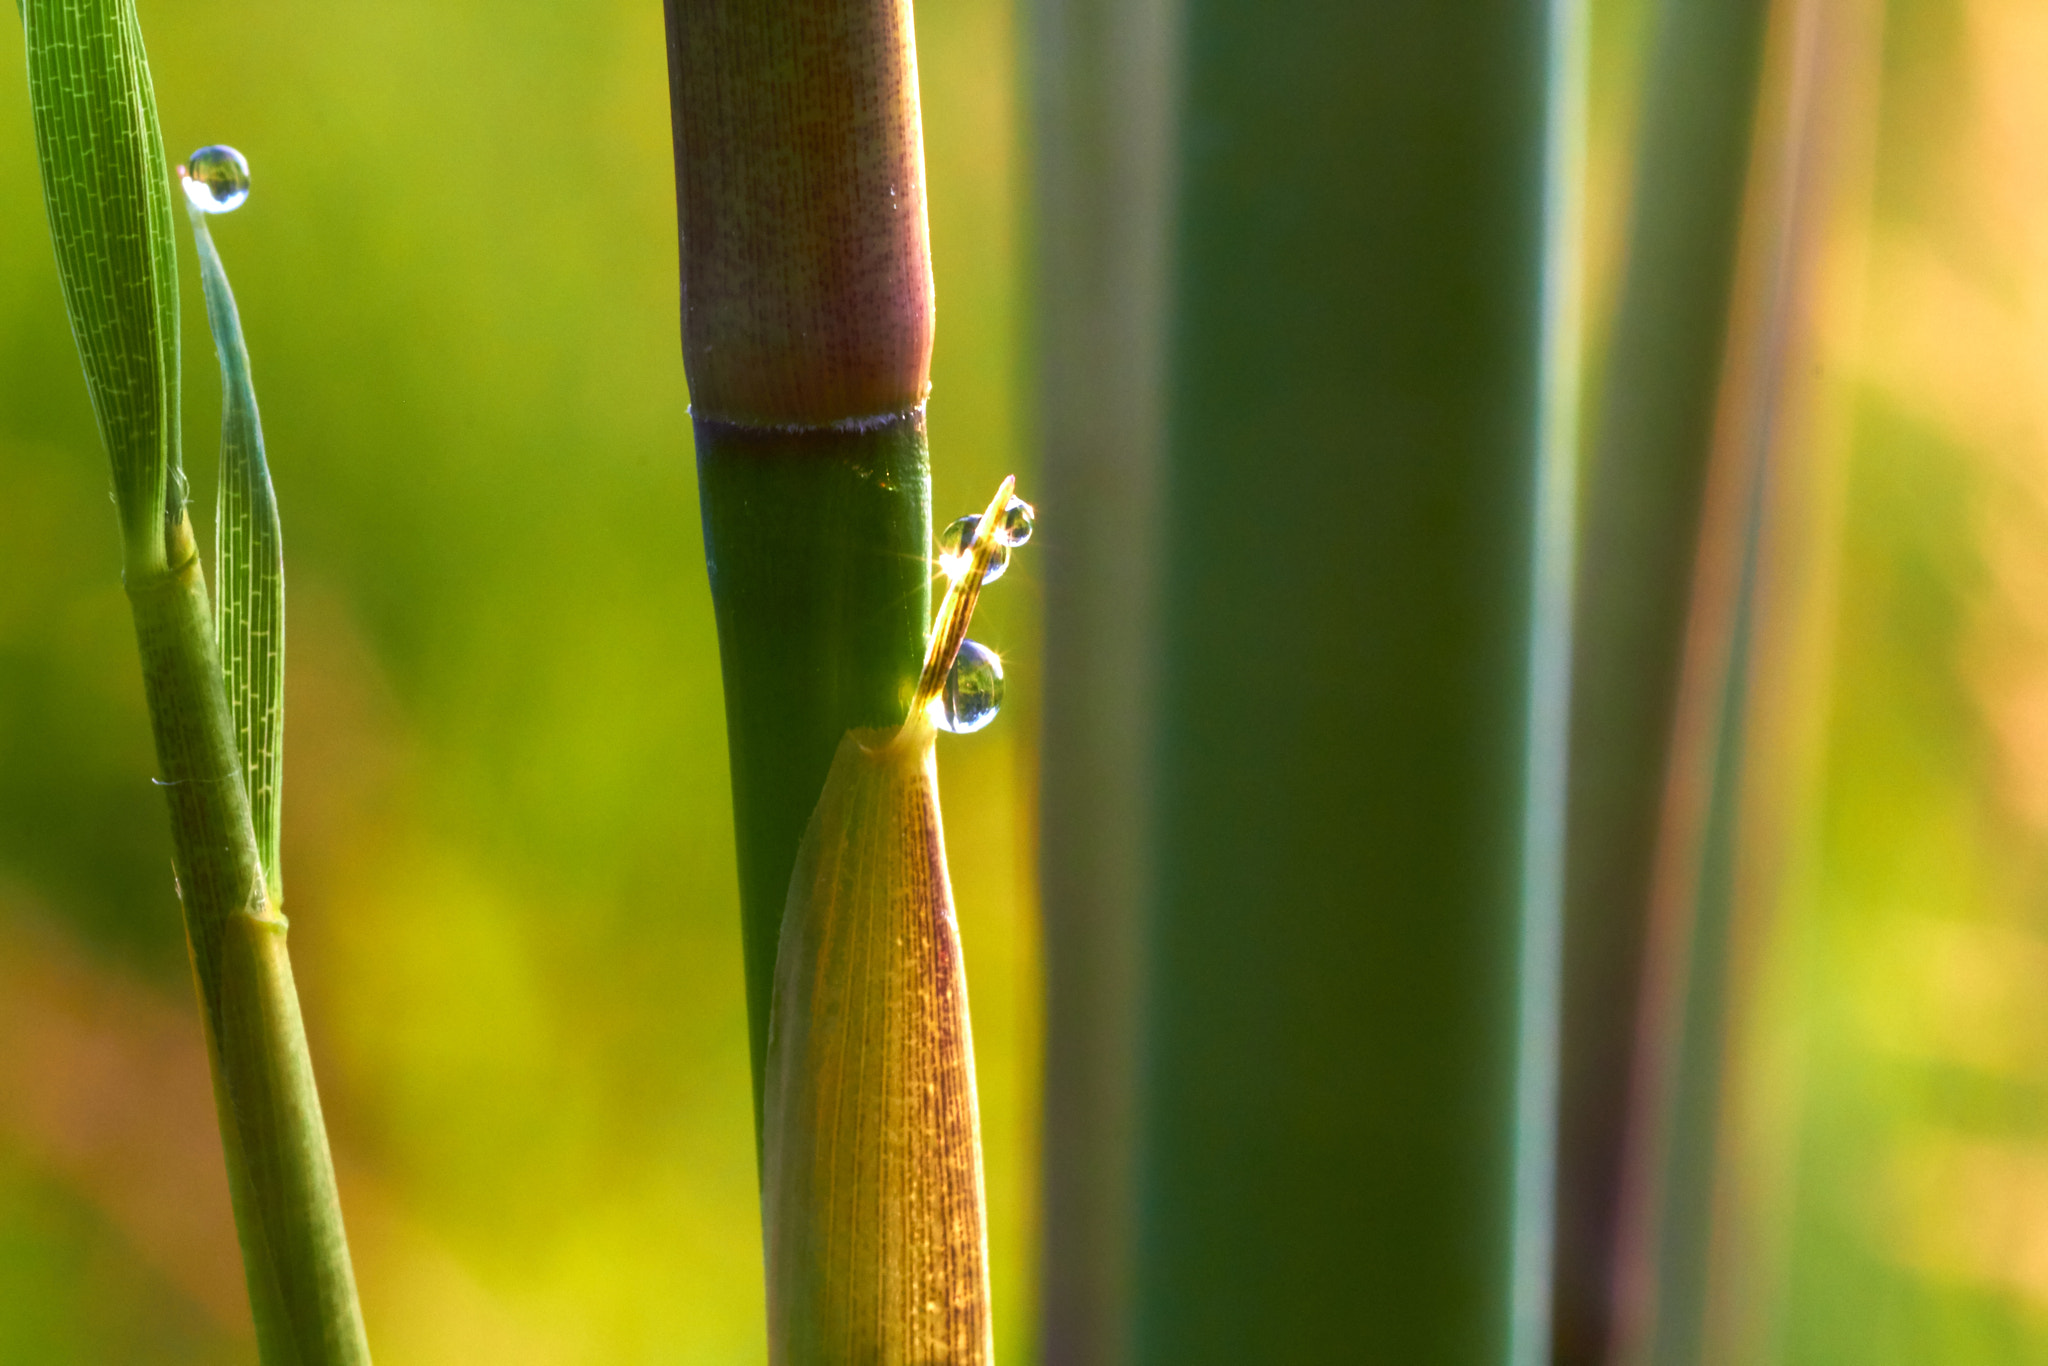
x=973 y=692
x=217 y=179
x=1018 y=516
x=955 y=542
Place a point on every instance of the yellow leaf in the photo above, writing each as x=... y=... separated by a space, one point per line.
x=872 y=1194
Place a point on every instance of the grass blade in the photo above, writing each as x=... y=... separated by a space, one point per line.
x=872 y=1197
x=248 y=568
x=107 y=191
x=1736 y=747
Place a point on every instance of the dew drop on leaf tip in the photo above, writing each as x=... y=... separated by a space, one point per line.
x=216 y=179
x=973 y=692
x=956 y=541
x=1018 y=517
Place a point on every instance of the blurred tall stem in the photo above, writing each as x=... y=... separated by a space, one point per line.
x=807 y=332
x=1736 y=743
x=108 y=191
x=1307 y=328
x=1644 y=490
x=1105 y=72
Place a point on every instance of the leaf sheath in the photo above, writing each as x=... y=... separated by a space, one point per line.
x=871 y=1180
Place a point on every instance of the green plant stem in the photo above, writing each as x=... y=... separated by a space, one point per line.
x=1102 y=116
x=108 y=190
x=807 y=335
x=288 y=1213
x=818 y=545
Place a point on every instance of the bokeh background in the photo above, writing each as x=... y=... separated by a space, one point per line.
x=507 y=835
x=1909 y=1015
x=507 y=840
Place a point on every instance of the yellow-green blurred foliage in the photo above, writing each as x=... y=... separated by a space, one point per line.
x=1903 y=1048
x=507 y=851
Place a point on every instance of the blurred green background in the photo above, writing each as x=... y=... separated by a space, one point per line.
x=1908 y=1030
x=507 y=839
x=507 y=835
x=1881 y=1194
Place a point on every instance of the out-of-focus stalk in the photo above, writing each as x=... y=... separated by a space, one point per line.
x=1103 y=180
x=1741 y=743
x=108 y=191
x=1644 y=486
x=807 y=333
x=1320 y=276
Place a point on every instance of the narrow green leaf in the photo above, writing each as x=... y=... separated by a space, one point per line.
x=102 y=159
x=248 y=568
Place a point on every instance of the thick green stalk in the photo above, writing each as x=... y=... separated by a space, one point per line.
x=817 y=543
x=1345 y=897
x=108 y=191
x=807 y=312
x=1645 y=482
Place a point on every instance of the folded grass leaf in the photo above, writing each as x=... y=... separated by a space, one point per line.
x=108 y=193
x=872 y=1193
x=248 y=566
